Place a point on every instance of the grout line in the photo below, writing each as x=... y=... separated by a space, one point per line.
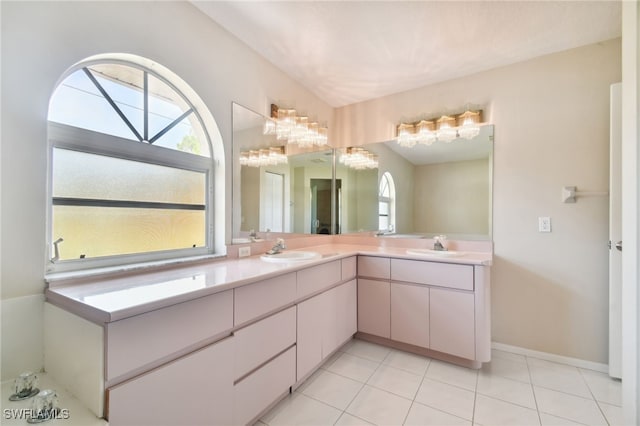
x=533 y=391
x=604 y=416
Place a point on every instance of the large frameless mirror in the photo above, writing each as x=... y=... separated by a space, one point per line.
x=443 y=188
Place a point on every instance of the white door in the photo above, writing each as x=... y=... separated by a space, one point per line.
x=630 y=208
x=273 y=202
x=615 y=233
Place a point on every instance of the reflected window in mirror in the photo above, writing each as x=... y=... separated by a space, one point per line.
x=387 y=203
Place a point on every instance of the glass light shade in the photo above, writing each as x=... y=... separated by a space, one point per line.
x=468 y=124
x=446 y=131
x=405 y=135
x=424 y=134
x=269 y=127
x=359 y=159
x=286 y=123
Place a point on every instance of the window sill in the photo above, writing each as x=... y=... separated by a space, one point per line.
x=58 y=278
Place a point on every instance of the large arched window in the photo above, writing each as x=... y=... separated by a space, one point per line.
x=131 y=167
x=387 y=203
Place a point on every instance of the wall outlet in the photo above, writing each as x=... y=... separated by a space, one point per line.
x=544 y=224
x=244 y=251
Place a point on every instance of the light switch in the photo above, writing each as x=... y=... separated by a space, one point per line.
x=544 y=224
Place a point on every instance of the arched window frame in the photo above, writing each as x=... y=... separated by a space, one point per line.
x=87 y=141
x=387 y=203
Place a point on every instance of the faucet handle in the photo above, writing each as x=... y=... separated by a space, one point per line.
x=280 y=242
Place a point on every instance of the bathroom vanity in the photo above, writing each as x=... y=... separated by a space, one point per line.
x=221 y=342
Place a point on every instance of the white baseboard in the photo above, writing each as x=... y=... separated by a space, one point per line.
x=575 y=362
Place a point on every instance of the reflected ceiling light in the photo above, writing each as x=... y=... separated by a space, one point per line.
x=359 y=159
x=287 y=126
x=271 y=156
x=444 y=129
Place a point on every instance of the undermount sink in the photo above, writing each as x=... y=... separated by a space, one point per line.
x=290 y=256
x=437 y=253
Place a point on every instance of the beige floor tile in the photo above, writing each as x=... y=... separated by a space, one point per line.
x=353 y=367
x=508 y=367
x=448 y=398
x=452 y=374
x=412 y=363
x=612 y=413
x=490 y=411
x=347 y=419
x=379 y=407
x=370 y=351
x=571 y=407
x=603 y=387
x=333 y=389
x=507 y=390
x=549 y=420
x=559 y=377
x=299 y=409
x=399 y=382
x=421 y=415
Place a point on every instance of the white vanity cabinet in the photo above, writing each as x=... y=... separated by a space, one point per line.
x=135 y=344
x=437 y=306
x=193 y=390
x=327 y=320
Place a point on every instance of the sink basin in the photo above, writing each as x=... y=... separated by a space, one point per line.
x=290 y=256
x=435 y=253
x=246 y=240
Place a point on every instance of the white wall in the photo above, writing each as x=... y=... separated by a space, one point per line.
x=549 y=291
x=40 y=41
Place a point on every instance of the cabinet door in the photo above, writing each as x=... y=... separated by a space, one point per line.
x=452 y=325
x=374 y=307
x=309 y=335
x=347 y=311
x=193 y=390
x=410 y=314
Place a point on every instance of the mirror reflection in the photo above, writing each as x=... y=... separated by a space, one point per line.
x=443 y=188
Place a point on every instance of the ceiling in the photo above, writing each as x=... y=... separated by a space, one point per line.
x=347 y=52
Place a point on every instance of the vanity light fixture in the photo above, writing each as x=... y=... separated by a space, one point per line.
x=294 y=129
x=359 y=159
x=468 y=124
x=263 y=157
x=444 y=129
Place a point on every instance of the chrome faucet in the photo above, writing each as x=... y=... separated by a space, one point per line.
x=253 y=234
x=277 y=247
x=437 y=243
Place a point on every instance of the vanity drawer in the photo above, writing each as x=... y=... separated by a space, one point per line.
x=317 y=278
x=256 y=392
x=254 y=300
x=349 y=268
x=263 y=340
x=136 y=341
x=433 y=273
x=374 y=267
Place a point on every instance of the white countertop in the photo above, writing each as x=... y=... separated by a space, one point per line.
x=104 y=300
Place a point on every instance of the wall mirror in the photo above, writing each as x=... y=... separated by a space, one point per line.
x=444 y=188
x=292 y=195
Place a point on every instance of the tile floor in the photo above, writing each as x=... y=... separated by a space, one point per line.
x=365 y=384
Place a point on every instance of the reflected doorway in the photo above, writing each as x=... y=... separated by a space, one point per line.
x=273 y=202
x=321 y=222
